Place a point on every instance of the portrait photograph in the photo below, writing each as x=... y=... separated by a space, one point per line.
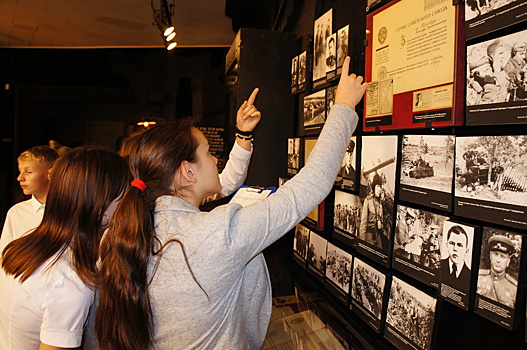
x=331 y=55
x=377 y=188
x=323 y=29
x=456 y=263
x=314 y=111
x=338 y=272
x=300 y=243
x=486 y=16
x=427 y=170
x=316 y=255
x=417 y=244
x=496 y=85
x=293 y=155
x=410 y=317
x=499 y=271
x=294 y=74
x=302 y=71
x=491 y=179
x=367 y=293
x=347 y=175
x=342 y=45
x=346 y=216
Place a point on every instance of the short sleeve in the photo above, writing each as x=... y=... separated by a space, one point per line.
x=65 y=311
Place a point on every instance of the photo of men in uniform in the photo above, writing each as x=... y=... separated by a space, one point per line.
x=346 y=177
x=294 y=74
x=316 y=254
x=498 y=273
x=293 y=155
x=300 y=241
x=322 y=30
x=346 y=216
x=342 y=47
x=456 y=261
x=338 y=267
x=331 y=53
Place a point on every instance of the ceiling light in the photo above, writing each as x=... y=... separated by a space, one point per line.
x=163 y=20
x=171 y=46
x=169 y=31
x=171 y=36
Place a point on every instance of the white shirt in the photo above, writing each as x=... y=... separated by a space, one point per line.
x=51 y=307
x=21 y=218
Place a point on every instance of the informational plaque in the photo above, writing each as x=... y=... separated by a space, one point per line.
x=413 y=62
x=216 y=138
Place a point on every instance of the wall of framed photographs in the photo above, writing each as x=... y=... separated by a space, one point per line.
x=422 y=237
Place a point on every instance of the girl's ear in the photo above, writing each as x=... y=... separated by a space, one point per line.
x=186 y=172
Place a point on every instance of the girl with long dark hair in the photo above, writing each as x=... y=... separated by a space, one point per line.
x=173 y=277
x=47 y=277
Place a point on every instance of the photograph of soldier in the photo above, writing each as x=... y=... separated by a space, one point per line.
x=342 y=47
x=293 y=154
x=315 y=108
x=410 y=315
x=331 y=53
x=294 y=74
x=316 y=254
x=367 y=287
x=338 y=267
x=300 y=241
x=346 y=216
x=302 y=68
x=476 y=8
x=492 y=168
x=377 y=190
x=499 y=266
x=322 y=31
x=330 y=97
x=496 y=70
x=456 y=260
x=428 y=161
x=347 y=175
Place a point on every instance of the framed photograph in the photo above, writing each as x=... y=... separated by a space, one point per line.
x=331 y=57
x=427 y=170
x=497 y=80
x=315 y=219
x=314 y=112
x=414 y=61
x=367 y=293
x=482 y=17
x=302 y=72
x=346 y=217
x=347 y=176
x=338 y=272
x=491 y=179
x=322 y=30
x=499 y=272
x=377 y=192
x=342 y=47
x=294 y=152
x=410 y=318
x=417 y=244
x=300 y=244
x=455 y=266
x=316 y=256
x=294 y=75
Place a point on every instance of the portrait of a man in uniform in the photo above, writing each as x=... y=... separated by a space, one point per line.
x=496 y=283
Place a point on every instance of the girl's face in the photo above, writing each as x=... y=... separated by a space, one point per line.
x=206 y=172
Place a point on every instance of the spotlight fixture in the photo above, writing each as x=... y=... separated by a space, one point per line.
x=146 y=124
x=163 y=21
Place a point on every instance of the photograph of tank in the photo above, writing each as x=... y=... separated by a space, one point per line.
x=491 y=179
x=427 y=168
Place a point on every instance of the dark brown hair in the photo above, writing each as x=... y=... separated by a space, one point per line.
x=124 y=317
x=85 y=181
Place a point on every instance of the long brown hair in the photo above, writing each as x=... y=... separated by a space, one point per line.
x=124 y=318
x=83 y=183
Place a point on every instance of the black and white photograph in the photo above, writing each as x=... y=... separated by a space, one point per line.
x=491 y=179
x=486 y=16
x=497 y=81
x=323 y=29
x=338 y=272
x=342 y=46
x=417 y=244
x=377 y=191
x=293 y=155
x=300 y=243
x=330 y=97
x=346 y=216
x=316 y=255
x=456 y=263
x=410 y=317
x=302 y=71
x=331 y=56
x=294 y=74
x=315 y=219
x=367 y=293
x=499 y=270
x=347 y=176
x=314 y=111
x=427 y=169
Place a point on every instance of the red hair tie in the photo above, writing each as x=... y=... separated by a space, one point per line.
x=139 y=184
